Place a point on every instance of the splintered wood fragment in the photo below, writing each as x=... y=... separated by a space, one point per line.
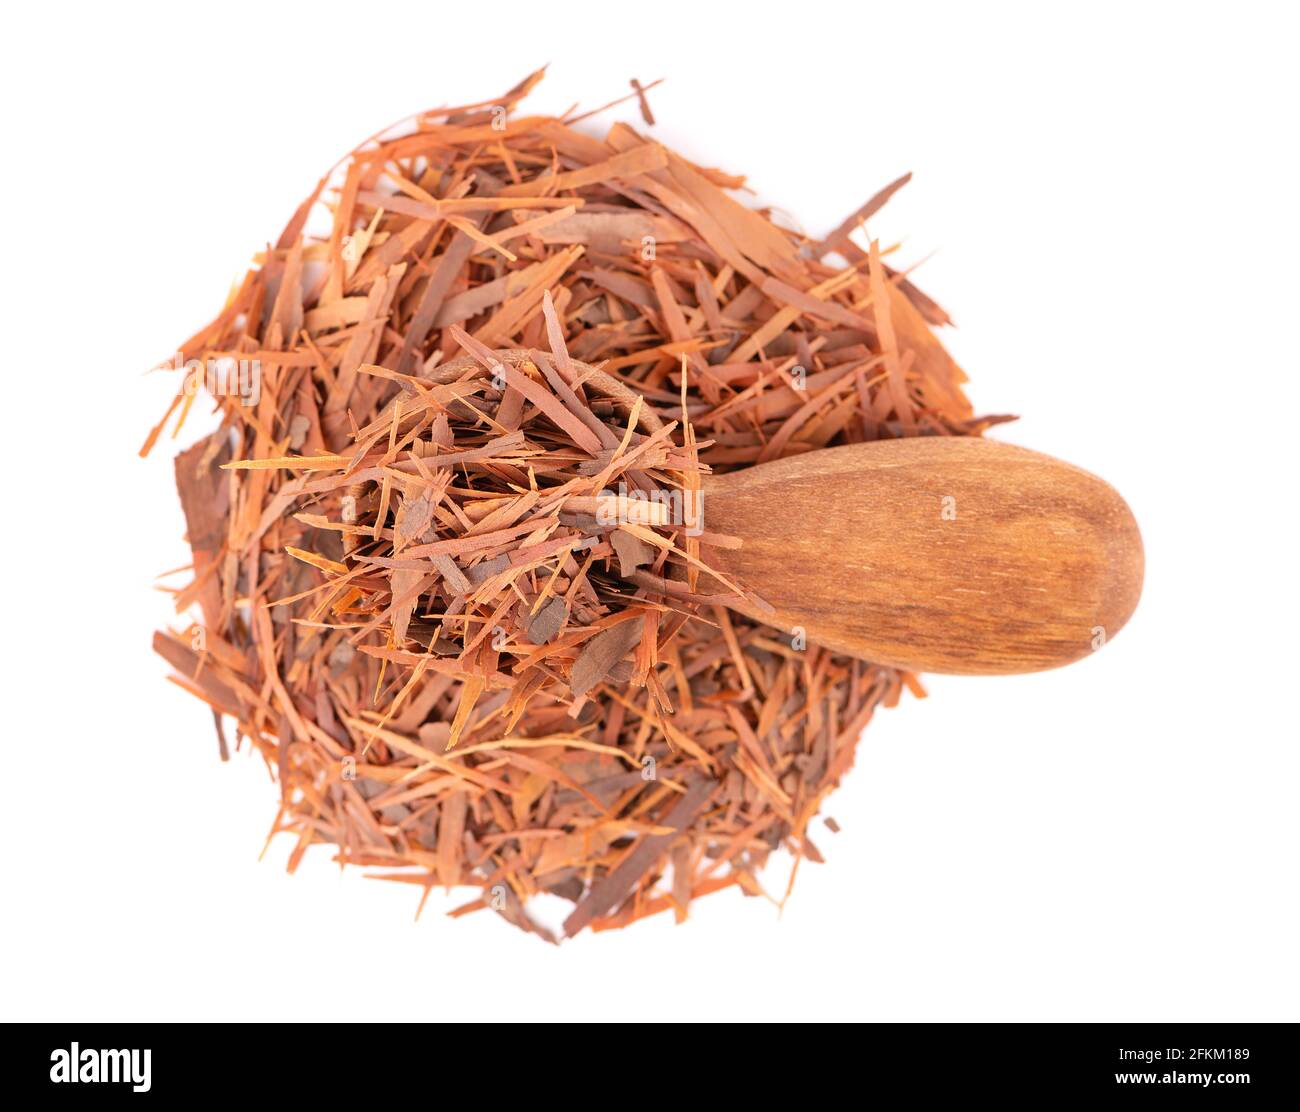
x=295 y=463
x=413 y=516
x=451 y=572
x=204 y=495
x=451 y=576
x=614 y=888
x=646 y=114
x=616 y=508
x=190 y=665
x=316 y=560
x=855 y=220
x=639 y=160
x=404 y=583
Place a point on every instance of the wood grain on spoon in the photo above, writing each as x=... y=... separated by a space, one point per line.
x=936 y=554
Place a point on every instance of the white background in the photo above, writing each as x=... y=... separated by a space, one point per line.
x=1112 y=194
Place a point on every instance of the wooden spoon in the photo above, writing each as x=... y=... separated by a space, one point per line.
x=935 y=554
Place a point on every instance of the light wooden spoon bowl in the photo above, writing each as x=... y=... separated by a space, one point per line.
x=935 y=554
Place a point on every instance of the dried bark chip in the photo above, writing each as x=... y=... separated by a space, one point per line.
x=482 y=572
x=601 y=653
x=632 y=552
x=547 y=622
x=450 y=571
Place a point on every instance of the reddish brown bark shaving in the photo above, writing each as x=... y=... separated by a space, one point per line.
x=446 y=584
